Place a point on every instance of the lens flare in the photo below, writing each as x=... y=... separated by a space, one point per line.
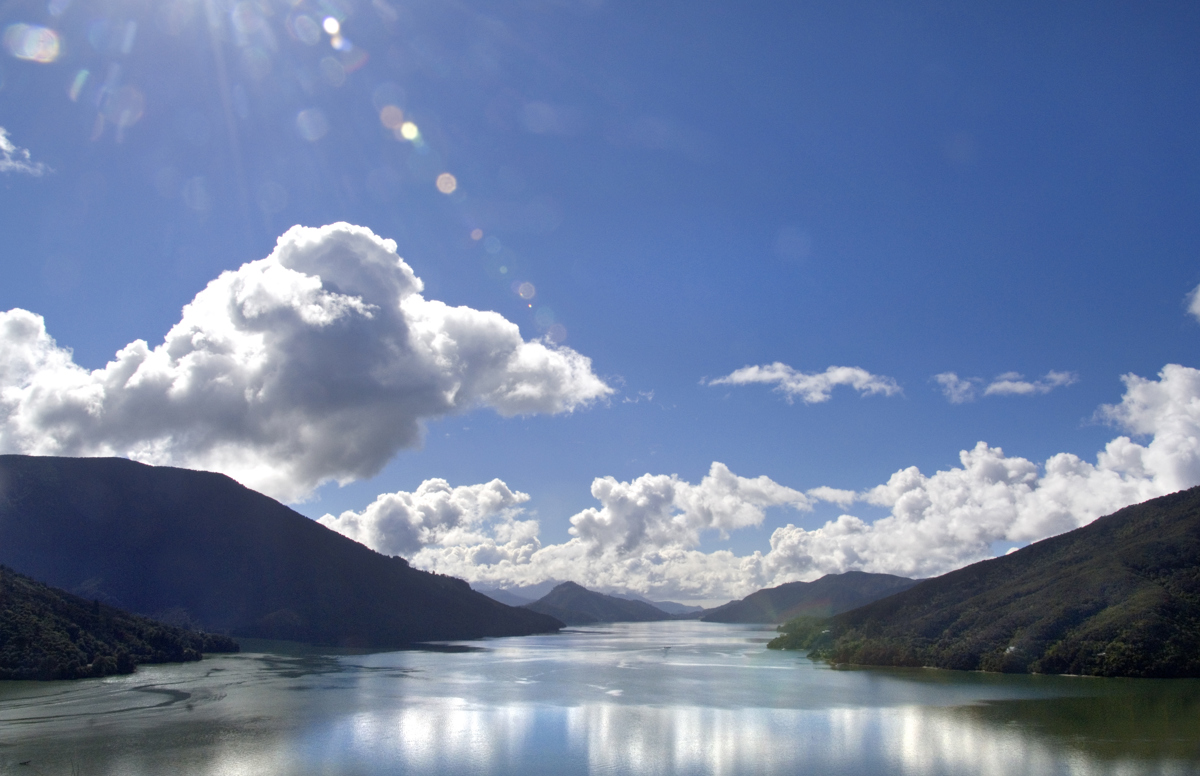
x=306 y=30
x=256 y=62
x=391 y=117
x=477 y=234
x=312 y=124
x=272 y=198
x=129 y=37
x=31 y=42
x=176 y=15
x=526 y=291
x=125 y=107
x=409 y=131
x=354 y=60
x=446 y=183
x=387 y=94
x=332 y=71
x=195 y=194
x=77 y=84
x=331 y=25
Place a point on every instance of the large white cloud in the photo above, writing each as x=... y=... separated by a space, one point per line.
x=316 y=363
x=644 y=535
x=812 y=388
x=402 y=523
x=657 y=511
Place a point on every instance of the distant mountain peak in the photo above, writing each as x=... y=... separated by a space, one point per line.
x=574 y=604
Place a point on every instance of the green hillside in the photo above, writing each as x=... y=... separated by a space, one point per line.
x=50 y=634
x=1118 y=597
x=831 y=594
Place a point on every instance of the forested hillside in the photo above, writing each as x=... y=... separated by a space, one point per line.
x=50 y=634
x=831 y=594
x=1118 y=597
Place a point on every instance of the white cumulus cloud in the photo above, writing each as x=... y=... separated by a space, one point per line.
x=316 y=363
x=656 y=511
x=644 y=535
x=960 y=390
x=16 y=159
x=402 y=523
x=811 y=388
x=1015 y=384
x=1193 y=300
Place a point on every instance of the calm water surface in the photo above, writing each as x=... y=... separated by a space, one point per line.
x=656 y=698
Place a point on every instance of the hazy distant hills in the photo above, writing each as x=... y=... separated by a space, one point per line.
x=681 y=611
x=1118 y=597
x=831 y=594
x=200 y=549
x=576 y=605
x=50 y=634
x=523 y=596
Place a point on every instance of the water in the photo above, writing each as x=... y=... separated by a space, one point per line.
x=654 y=698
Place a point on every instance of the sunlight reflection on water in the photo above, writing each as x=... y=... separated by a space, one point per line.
x=606 y=700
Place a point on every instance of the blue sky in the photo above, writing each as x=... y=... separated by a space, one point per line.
x=690 y=188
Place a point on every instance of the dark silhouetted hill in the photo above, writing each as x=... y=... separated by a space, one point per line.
x=576 y=605
x=504 y=597
x=47 y=633
x=1118 y=597
x=198 y=548
x=831 y=594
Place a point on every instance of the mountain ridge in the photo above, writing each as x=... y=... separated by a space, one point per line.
x=1117 y=597
x=830 y=594
x=213 y=552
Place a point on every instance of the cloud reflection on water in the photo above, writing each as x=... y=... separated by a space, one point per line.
x=603 y=701
x=454 y=735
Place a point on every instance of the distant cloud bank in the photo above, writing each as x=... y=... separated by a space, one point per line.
x=16 y=159
x=811 y=388
x=644 y=534
x=316 y=363
x=960 y=390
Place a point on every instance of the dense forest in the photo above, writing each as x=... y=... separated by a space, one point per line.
x=50 y=634
x=1118 y=597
